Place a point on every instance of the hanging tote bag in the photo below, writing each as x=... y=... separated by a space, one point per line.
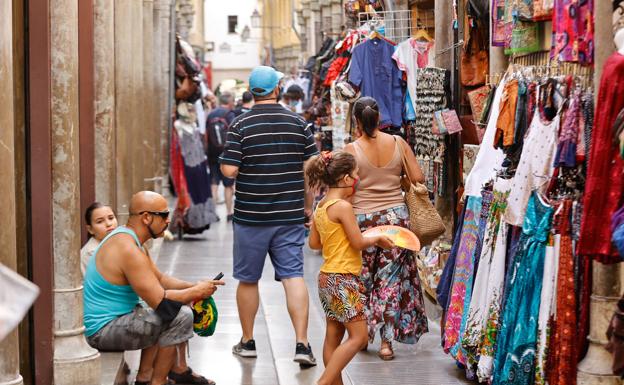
x=425 y=221
x=474 y=65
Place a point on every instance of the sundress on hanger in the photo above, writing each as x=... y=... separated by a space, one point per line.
x=515 y=355
x=487 y=162
x=535 y=168
x=462 y=279
x=495 y=291
x=488 y=270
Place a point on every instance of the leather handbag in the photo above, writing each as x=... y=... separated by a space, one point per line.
x=474 y=64
x=424 y=219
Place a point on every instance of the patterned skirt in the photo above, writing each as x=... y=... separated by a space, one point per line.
x=393 y=291
x=342 y=297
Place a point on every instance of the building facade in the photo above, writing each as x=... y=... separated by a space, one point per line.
x=232 y=42
x=84 y=116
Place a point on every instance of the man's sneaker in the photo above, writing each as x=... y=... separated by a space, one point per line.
x=304 y=356
x=245 y=349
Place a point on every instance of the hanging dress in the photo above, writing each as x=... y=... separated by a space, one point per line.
x=548 y=306
x=604 y=189
x=563 y=349
x=535 y=168
x=515 y=354
x=489 y=271
x=495 y=288
x=462 y=280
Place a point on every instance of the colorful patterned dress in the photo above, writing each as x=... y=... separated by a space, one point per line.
x=393 y=289
x=461 y=288
x=517 y=341
x=489 y=279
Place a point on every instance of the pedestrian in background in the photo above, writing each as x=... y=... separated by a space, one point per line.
x=265 y=151
x=247 y=103
x=390 y=276
x=217 y=125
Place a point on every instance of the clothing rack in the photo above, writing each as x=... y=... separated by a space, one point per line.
x=397 y=25
x=551 y=67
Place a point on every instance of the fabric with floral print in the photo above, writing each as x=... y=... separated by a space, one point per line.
x=490 y=275
x=342 y=297
x=461 y=288
x=392 y=285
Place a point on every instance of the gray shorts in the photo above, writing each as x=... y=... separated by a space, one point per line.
x=141 y=329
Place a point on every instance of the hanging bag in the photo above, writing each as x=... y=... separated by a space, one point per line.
x=474 y=64
x=424 y=219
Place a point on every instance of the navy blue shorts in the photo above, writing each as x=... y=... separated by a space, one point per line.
x=216 y=177
x=283 y=244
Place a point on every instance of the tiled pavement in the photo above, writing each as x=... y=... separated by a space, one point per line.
x=202 y=257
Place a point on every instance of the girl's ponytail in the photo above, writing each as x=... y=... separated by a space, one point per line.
x=328 y=168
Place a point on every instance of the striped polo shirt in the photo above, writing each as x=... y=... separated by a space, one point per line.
x=269 y=145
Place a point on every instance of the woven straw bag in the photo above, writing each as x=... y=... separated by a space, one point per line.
x=425 y=221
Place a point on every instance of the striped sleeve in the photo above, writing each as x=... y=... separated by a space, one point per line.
x=310 y=144
x=232 y=154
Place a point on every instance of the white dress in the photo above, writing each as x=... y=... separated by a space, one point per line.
x=535 y=168
x=489 y=160
x=548 y=306
x=490 y=275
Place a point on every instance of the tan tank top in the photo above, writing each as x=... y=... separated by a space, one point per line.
x=380 y=187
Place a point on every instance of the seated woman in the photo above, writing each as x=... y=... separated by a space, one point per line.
x=100 y=220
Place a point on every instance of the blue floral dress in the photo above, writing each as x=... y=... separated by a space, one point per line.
x=517 y=341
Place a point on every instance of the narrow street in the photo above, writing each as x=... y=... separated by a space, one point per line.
x=200 y=257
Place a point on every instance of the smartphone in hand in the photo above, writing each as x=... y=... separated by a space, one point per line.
x=218 y=277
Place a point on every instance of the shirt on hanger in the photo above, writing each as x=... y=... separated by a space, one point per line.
x=410 y=55
x=377 y=75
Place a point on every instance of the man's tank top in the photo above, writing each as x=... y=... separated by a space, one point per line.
x=103 y=301
x=380 y=187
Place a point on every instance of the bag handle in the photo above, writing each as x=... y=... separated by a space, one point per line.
x=403 y=160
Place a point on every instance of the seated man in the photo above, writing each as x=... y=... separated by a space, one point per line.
x=120 y=274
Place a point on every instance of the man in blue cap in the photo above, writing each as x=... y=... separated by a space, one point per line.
x=265 y=151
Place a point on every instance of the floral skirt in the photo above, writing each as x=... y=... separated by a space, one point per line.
x=342 y=297
x=393 y=291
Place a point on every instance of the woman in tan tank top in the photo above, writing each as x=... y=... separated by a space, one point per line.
x=393 y=289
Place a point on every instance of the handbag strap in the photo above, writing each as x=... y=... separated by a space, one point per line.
x=403 y=160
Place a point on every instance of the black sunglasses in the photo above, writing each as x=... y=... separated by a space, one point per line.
x=162 y=214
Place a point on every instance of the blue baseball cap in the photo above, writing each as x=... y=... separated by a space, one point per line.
x=263 y=80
